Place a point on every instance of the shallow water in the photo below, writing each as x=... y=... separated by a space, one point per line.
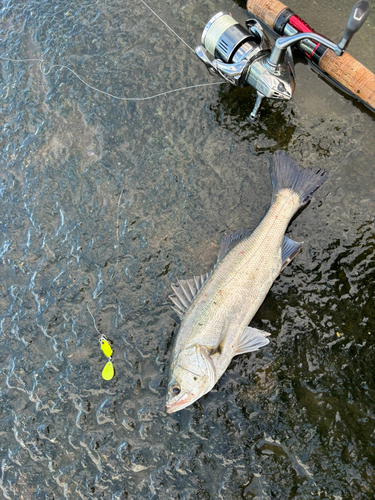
x=104 y=203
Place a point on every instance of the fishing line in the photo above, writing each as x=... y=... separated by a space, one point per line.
x=339 y=165
x=93 y=320
x=160 y=19
x=42 y=62
x=45 y=72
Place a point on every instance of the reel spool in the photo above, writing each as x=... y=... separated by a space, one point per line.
x=226 y=39
x=249 y=56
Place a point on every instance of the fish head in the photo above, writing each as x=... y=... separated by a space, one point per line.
x=192 y=375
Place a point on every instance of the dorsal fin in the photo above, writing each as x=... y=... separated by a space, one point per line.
x=230 y=240
x=185 y=291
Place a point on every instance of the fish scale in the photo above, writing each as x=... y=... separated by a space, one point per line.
x=256 y=273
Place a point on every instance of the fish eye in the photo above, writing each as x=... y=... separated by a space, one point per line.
x=175 y=389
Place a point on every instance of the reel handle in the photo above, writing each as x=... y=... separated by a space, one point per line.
x=357 y=17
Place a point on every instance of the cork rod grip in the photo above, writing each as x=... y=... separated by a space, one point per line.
x=351 y=74
x=266 y=10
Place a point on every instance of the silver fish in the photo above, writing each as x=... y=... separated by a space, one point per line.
x=216 y=308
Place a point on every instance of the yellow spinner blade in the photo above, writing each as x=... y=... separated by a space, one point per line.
x=108 y=371
x=106 y=348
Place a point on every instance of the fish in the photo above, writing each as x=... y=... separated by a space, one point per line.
x=216 y=308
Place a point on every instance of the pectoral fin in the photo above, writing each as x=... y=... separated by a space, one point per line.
x=251 y=339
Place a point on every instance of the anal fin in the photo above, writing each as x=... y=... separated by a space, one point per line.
x=251 y=339
x=289 y=250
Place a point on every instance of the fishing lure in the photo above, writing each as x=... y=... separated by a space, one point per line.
x=106 y=347
x=108 y=371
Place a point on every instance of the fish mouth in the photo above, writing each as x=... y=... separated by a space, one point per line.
x=181 y=403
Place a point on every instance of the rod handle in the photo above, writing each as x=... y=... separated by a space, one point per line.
x=351 y=74
x=266 y=10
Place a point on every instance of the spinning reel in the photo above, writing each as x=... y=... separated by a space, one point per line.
x=251 y=57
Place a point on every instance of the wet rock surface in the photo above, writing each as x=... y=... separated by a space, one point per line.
x=105 y=202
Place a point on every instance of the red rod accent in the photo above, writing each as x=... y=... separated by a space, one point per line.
x=302 y=27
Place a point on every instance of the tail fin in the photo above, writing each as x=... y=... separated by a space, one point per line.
x=286 y=174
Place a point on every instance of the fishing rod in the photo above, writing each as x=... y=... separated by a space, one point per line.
x=260 y=55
